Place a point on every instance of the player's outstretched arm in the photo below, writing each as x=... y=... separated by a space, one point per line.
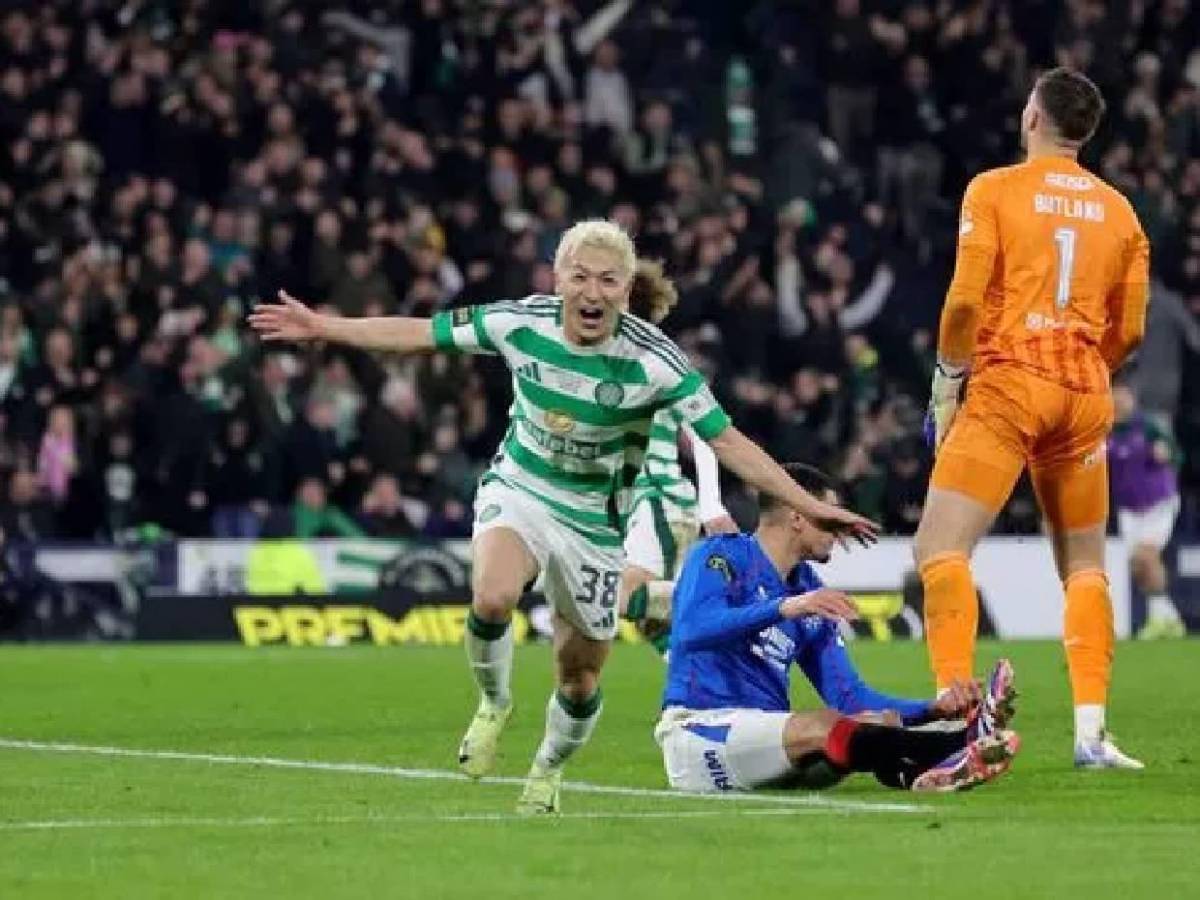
x=827 y=665
x=291 y=320
x=753 y=465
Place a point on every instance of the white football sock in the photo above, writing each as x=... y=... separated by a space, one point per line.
x=1089 y=723
x=658 y=600
x=1162 y=609
x=490 y=657
x=569 y=725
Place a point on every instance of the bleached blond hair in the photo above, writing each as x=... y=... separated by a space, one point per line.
x=601 y=234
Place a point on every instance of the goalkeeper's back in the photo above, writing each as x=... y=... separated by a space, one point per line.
x=1059 y=258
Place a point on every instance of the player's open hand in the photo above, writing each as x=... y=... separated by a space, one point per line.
x=957 y=699
x=843 y=524
x=288 y=320
x=824 y=602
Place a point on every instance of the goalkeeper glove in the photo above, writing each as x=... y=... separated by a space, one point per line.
x=943 y=402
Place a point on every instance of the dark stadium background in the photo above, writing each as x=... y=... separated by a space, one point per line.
x=166 y=165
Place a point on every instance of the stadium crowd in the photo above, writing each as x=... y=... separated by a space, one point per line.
x=797 y=165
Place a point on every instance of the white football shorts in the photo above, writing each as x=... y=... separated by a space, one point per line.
x=723 y=749
x=1152 y=526
x=579 y=579
x=657 y=537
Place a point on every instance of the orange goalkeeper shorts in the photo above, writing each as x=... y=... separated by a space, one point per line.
x=1012 y=419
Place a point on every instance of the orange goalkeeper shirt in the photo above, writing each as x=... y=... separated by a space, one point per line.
x=1053 y=271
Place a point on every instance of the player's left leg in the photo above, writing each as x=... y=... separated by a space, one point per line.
x=898 y=757
x=952 y=523
x=571 y=714
x=1071 y=482
x=581 y=582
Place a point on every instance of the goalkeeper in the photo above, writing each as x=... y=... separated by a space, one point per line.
x=745 y=608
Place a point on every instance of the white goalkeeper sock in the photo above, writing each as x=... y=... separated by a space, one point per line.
x=490 y=652
x=569 y=725
x=1089 y=723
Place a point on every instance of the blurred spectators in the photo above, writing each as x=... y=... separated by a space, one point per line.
x=27 y=514
x=798 y=166
x=311 y=515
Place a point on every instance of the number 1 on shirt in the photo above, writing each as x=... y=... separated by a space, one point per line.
x=1064 y=238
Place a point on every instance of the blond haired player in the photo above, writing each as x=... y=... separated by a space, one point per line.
x=1048 y=299
x=587 y=380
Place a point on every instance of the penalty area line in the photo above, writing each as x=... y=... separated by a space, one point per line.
x=815 y=801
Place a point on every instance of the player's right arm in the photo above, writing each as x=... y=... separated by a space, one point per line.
x=468 y=329
x=1127 y=303
x=715 y=603
x=978 y=244
x=755 y=466
x=291 y=320
x=828 y=667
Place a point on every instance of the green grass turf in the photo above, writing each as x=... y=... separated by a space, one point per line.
x=179 y=828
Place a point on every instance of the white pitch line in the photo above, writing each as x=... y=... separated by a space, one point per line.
x=581 y=787
x=270 y=822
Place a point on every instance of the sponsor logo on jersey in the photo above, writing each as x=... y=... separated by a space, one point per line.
x=530 y=371
x=462 y=315
x=489 y=512
x=567 y=382
x=1069 y=182
x=774 y=647
x=556 y=444
x=609 y=393
x=559 y=422
x=1094 y=457
x=965 y=227
x=1039 y=322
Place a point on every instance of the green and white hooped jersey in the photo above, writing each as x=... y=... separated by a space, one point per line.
x=581 y=416
x=662 y=476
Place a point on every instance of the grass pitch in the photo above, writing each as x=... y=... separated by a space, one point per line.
x=220 y=771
